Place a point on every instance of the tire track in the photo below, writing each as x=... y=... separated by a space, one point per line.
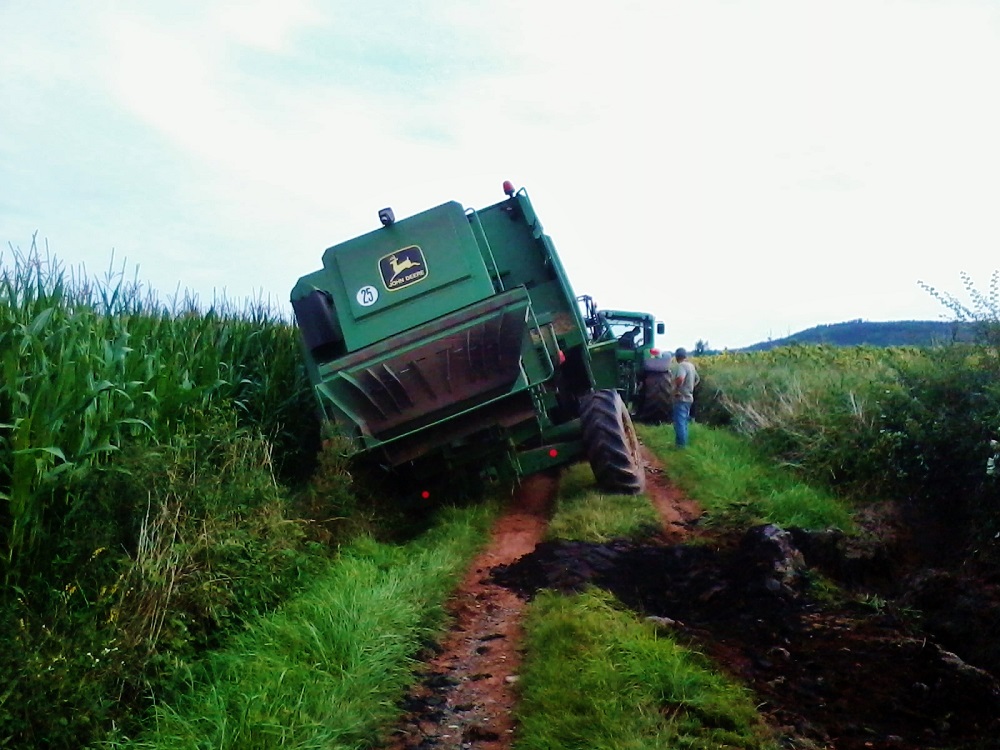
x=467 y=694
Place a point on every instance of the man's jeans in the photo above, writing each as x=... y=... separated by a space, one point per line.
x=682 y=415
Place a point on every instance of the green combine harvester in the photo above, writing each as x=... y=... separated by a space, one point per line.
x=452 y=341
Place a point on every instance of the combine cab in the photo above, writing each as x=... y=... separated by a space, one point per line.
x=452 y=340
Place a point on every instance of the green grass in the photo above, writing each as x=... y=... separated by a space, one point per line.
x=584 y=513
x=597 y=677
x=764 y=390
x=736 y=485
x=326 y=670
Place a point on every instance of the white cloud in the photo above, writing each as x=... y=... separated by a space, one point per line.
x=266 y=25
x=738 y=168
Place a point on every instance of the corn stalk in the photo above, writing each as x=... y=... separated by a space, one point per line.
x=90 y=366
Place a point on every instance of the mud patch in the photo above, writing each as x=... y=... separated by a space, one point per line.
x=678 y=513
x=829 y=674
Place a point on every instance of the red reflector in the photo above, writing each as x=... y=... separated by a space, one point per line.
x=562 y=357
x=654 y=352
x=425 y=494
x=553 y=453
x=508 y=188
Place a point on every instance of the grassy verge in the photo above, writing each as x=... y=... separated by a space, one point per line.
x=737 y=486
x=596 y=676
x=325 y=671
x=584 y=513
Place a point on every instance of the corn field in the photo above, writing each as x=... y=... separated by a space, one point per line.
x=92 y=366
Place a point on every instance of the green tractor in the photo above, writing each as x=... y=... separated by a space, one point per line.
x=451 y=341
x=643 y=378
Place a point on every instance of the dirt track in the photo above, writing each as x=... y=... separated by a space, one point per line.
x=828 y=672
x=467 y=693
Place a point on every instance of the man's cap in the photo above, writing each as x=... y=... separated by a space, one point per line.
x=681 y=352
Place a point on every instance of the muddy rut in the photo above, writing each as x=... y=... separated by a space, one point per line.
x=466 y=695
x=830 y=674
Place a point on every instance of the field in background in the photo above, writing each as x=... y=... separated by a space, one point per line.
x=905 y=423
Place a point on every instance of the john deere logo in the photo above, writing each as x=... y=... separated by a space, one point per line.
x=402 y=268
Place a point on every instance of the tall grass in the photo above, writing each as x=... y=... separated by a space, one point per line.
x=758 y=391
x=917 y=425
x=325 y=671
x=141 y=519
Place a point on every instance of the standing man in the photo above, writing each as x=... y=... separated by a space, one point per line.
x=685 y=379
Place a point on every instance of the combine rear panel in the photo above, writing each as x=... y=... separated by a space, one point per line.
x=449 y=337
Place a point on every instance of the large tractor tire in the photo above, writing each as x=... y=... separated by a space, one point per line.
x=611 y=443
x=657 y=403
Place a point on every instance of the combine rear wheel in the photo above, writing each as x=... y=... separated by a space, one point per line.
x=657 y=399
x=611 y=443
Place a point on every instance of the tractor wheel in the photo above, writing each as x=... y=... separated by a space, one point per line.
x=611 y=443
x=657 y=399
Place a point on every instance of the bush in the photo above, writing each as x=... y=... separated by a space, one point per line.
x=935 y=432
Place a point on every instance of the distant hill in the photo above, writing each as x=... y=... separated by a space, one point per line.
x=857 y=332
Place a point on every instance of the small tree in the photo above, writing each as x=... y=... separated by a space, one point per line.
x=983 y=311
x=960 y=435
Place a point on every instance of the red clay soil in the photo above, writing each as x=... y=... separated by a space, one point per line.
x=677 y=512
x=466 y=696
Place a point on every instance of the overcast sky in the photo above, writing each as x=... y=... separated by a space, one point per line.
x=743 y=170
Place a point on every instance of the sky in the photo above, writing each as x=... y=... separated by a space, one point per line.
x=741 y=169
